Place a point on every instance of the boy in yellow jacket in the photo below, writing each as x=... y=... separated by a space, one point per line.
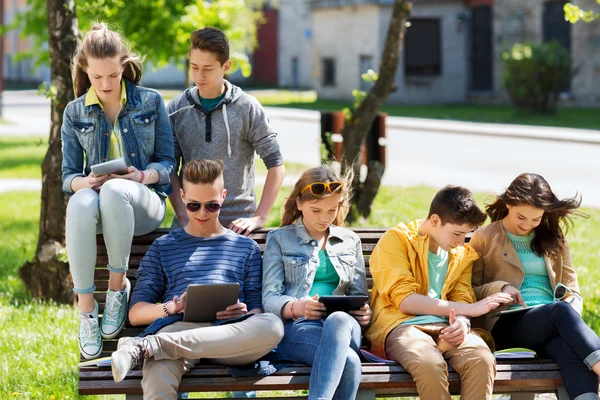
x=422 y=299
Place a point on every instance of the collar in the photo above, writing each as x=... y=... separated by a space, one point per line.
x=91 y=97
x=304 y=237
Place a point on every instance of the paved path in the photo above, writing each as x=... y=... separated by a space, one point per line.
x=483 y=157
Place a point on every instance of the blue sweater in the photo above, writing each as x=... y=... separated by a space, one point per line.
x=178 y=259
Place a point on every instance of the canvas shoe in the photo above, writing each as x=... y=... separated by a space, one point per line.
x=90 y=340
x=115 y=311
x=128 y=357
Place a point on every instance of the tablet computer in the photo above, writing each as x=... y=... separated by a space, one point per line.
x=205 y=301
x=343 y=303
x=116 y=166
x=513 y=311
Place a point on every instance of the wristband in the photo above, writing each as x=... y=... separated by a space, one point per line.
x=141 y=177
x=294 y=317
x=164 y=306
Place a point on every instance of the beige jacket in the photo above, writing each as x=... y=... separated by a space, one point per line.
x=499 y=265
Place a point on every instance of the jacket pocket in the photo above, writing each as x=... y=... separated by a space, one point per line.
x=296 y=267
x=144 y=126
x=86 y=133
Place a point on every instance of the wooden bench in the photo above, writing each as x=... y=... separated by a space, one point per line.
x=521 y=378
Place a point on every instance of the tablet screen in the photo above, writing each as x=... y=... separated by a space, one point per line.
x=205 y=301
x=343 y=303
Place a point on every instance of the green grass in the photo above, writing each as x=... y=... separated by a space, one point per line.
x=21 y=157
x=5 y=122
x=31 y=332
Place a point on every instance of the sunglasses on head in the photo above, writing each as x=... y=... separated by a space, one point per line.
x=561 y=291
x=320 y=188
x=194 y=207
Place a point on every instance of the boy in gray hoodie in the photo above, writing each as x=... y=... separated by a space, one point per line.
x=217 y=120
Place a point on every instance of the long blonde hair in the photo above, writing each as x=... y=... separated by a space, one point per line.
x=100 y=43
x=312 y=175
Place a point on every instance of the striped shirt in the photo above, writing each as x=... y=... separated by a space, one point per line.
x=179 y=259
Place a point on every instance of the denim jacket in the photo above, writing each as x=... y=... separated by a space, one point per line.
x=145 y=129
x=291 y=258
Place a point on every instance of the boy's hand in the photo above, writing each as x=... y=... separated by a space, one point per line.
x=516 y=295
x=457 y=331
x=177 y=305
x=362 y=315
x=244 y=226
x=233 y=311
x=488 y=304
x=311 y=308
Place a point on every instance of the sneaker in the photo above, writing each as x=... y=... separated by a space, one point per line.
x=129 y=341
x=128 y=357
x=90 y=340
x=115 y=312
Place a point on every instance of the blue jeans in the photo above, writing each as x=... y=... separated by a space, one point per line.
x=557 y=331
x=331 y=347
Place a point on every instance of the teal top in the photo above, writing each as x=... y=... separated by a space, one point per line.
x=209 y=104
x=326 y=277
x=536 y=288
x=437 y=268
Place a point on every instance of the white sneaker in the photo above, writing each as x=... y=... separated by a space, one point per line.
x=128 y=357
x=90 y=340
x=115 y=312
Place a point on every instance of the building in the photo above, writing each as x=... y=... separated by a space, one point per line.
x=452 y=50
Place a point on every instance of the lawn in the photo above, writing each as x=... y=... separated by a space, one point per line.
x=21 y=157
x=31 y=331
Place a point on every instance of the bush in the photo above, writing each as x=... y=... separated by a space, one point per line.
x=535 y=74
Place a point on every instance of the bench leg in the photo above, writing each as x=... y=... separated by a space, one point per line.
x=365 y=394
x=134 y=397
x=522 y=396
x=561 y=393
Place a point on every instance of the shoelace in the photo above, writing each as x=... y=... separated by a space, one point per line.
x=137 y=353
x=91 y=331
x=113 y=306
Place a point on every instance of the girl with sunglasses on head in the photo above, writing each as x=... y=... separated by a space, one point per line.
x=524 y=253
x=313 y=255
x=111 y=118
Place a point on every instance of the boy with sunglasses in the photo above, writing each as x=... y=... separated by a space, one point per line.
x=204 y=252
x=215 y=119
x=422 y=299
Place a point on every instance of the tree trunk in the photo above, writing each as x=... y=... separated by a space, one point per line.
x=356 y=129
x=47 y=277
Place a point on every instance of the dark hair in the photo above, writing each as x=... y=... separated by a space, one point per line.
x=312 y=175
x=202 y=171
x=100 y=43
x=534 y=190
x=456 y=205
x=212 y=40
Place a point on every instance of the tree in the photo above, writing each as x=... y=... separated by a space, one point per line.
x=356 y=128
x=160 y=28
x=47 y=277
x=574 y=13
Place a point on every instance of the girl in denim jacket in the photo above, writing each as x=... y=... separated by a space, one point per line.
x=111 y=118
x=312 y=255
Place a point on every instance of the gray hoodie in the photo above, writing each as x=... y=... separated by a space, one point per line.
x=232 y=132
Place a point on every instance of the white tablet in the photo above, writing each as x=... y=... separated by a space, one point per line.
x=116 y=166
x=205 y=301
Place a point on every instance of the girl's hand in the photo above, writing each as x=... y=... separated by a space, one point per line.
x=233 y=311
x=362 y=315
x=133 y=175
x=94 y=182
x=516 y=295
x=311 y=308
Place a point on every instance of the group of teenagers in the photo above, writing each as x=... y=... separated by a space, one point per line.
x=430 y=290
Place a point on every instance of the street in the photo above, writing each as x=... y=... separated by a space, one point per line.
x=428 y=155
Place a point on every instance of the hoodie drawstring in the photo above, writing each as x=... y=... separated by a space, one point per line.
x=227 y=128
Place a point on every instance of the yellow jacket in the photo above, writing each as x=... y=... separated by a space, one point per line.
x=399 y=268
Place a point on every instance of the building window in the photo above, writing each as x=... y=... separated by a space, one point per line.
x=422 y=48
x=328 y=72
x=366 y=63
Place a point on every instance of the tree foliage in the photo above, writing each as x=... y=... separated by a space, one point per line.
x=159 y=29
x=574 y=13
